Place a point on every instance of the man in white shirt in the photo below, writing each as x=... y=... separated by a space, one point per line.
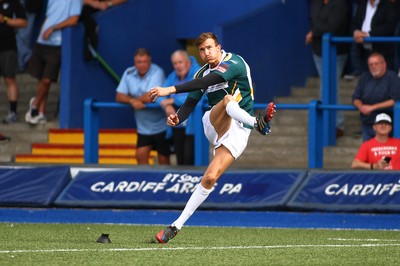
x=374 y=18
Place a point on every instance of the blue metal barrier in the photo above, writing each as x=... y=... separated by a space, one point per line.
x=329 y=79
x=92 y=121
x=315 y=135
x=201 y=146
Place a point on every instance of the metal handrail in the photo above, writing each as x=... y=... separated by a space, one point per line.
x=315 y=120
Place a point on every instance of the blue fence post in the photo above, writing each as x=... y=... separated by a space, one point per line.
x=91 y=132
x=328 y=89
x=396 y=119
x=315 y=149
x=201 y=145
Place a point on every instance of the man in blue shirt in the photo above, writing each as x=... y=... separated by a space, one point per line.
x=185 y=67
x=150 y=122
x=46 y=55
x=376 y=92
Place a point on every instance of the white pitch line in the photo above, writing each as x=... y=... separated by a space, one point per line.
x=197 y=248
x=363 y=239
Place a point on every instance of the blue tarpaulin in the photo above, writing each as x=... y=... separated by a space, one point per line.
x=37 y=186
x=243 y=189
x=353 y=191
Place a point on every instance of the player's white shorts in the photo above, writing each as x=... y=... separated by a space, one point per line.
x=235 y=139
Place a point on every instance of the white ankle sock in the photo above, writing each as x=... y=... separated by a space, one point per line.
x=197 y=198
x=233 y=110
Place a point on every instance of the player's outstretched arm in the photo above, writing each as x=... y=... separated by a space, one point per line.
x=173 y=120
x=156 y=92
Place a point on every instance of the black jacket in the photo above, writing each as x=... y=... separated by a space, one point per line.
x=383 y=24
x=334 y=18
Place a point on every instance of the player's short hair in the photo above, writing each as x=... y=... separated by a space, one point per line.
x=204 y=36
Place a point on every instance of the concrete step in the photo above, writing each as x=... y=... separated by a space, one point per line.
x=273 y=157
x=300 y=118
x=6 y=158
x=289 y=130
x=25 y=131
x=314 y=92
x=315 y=82
x=22 y=136
x=339 y=157
x=306 y=99
x=348 y=141
x=27 y=89
x=272 y=140
x=276 y=139
x=294 y=157
x=337 y=163
x=14 y=146
x=341 y=151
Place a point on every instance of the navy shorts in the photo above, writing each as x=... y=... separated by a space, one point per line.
x=158 y=142
x=45 y=62
x=8 y=63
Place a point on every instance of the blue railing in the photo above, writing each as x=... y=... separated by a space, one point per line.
x=329 y=92
x=92 y=121
x=316 y=134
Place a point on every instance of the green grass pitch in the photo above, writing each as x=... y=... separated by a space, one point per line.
x=75 y=244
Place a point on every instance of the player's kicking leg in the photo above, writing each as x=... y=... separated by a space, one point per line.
x=262 y=120
x=166 y=234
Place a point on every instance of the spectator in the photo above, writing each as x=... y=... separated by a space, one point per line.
x=333 y=17
x=46 y=55
x=354 y=61
x=376 y=92
x=89 y=23
x=381 y=152
x=397 y=34
x=4 y=139
x=24 y=35
x=374 y=18
x=12 y=16
x=133 y=89
x=185 y=68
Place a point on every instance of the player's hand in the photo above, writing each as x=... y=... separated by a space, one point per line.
x=156 y=92
x=172 y=120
